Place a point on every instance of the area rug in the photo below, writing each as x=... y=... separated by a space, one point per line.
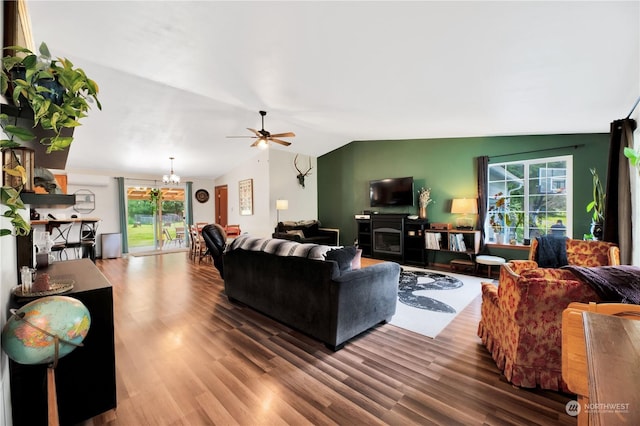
x=429 y=300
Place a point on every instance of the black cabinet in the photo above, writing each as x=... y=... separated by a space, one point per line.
x=364 y=236
x=414 y=246
x=86 y=378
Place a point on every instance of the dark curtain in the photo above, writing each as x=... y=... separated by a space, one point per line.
x=483 y=180
x=617 y=211
x=122 y=213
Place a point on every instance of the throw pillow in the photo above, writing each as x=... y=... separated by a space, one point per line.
x=343 y=256
x=357 y=260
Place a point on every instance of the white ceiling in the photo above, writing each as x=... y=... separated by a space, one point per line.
x=177 y=77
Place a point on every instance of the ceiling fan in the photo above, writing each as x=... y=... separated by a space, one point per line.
x=263 y=137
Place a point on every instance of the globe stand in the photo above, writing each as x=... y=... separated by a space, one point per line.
x=52 y=399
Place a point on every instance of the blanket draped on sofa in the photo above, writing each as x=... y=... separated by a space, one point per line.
x=612 y=283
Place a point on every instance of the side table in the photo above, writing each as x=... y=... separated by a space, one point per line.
x=86 y=378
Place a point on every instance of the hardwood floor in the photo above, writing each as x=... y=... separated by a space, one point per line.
x=185 y=355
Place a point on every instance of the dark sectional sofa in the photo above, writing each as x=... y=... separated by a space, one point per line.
x=306 y=231
x=291 y=283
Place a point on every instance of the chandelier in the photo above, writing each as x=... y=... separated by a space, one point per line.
x=171 y=178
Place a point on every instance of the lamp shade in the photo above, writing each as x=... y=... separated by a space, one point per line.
x=464 y=206
x=282 y=204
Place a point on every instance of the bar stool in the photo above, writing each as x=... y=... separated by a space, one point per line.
x=59 y=231
x=88 y=232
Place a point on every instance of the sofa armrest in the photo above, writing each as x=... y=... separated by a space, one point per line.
x=369 y=291
x=539 y=301
x=518 y=266
x=614 y=256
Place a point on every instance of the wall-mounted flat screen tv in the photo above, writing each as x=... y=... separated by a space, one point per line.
x=393 y=192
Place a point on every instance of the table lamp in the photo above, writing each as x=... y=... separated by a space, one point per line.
x=281 y=205
x=465 y=207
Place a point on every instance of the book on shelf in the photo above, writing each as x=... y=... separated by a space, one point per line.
x=456 y=242
x=461 y=245
x=432 y=240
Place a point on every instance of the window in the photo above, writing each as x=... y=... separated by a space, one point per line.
x=530 y=198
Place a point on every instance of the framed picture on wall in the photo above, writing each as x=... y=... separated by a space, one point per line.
x=246 y=197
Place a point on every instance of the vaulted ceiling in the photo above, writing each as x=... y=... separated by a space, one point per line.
x=177 y=77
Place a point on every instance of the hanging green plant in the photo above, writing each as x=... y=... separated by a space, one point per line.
x=11 y=198
x=56 y=92
x=155 y=195
x=597 y=204
x=59 y=96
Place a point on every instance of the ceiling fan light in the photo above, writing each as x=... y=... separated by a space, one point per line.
x=262 y=143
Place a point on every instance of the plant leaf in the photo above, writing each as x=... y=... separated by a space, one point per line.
x=30 y=61
x=19 y=132
x=7 y=143
x=58 y=143
x=44 y=51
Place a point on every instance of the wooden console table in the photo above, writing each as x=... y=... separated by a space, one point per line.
x=613 y=350
x=86 y=378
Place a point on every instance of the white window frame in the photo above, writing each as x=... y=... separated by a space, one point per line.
x=568 y=192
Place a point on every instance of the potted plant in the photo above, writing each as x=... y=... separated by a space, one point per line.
x=424 y=199
x=596 y=206
x=10 y=197
x=499 y=216
x=57 y=93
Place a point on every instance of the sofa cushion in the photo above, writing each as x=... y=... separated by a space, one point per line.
x=279 y=247
x=344 y=256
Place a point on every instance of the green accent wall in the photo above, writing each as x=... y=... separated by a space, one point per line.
x=448 y=167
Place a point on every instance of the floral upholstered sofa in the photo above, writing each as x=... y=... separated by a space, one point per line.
x=521 y=319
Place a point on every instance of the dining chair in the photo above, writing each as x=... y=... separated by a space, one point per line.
x=180 y=230
x=197 y=243
x=59 y=231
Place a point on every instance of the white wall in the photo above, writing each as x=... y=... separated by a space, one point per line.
x=303 y=202
x=204 y=212
x=274 y=177
x=8 y=279
x=256 y=168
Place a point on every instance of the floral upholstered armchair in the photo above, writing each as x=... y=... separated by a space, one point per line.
x=521 y=319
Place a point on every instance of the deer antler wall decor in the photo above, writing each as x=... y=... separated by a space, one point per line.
x=301 y=175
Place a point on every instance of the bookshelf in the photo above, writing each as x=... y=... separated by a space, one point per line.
x=364 y=236
x=414 y=241
x=453 y=240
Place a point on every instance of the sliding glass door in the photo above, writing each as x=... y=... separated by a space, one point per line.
x=155 y=217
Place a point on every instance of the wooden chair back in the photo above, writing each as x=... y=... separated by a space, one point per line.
x=574 y=353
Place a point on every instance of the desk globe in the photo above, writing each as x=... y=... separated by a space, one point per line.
x=30 y=334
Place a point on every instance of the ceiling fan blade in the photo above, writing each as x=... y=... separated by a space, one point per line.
x=284 y=135
x=255 y=143
x=281 y=142
x=257 y=133
x=252 y=137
